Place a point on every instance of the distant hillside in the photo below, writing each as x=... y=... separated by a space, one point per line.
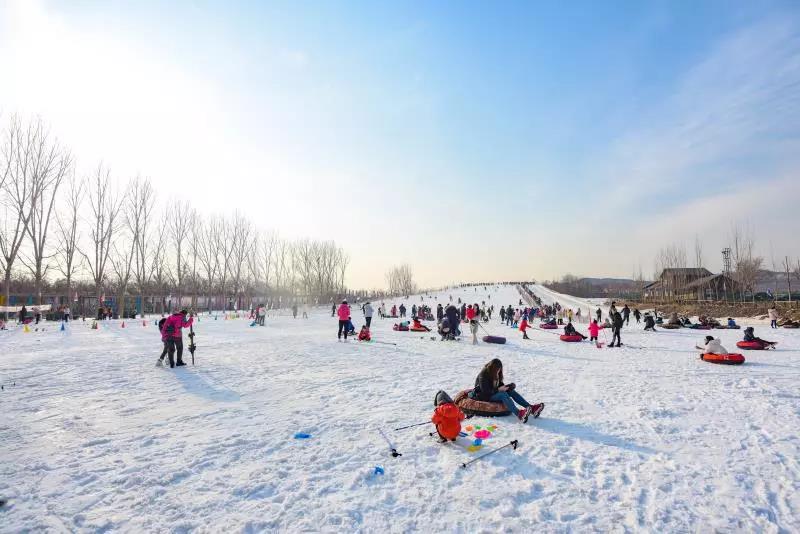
x=589 y=287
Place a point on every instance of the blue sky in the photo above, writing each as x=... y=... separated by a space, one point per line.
x=471 y=140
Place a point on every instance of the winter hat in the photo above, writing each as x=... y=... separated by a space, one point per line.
x=442 y=398
x=709 y=338
x=344 y=302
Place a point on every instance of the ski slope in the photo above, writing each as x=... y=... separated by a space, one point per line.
x=587 y=306
x=642 y=438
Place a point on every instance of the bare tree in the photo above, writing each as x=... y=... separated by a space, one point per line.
x=50 y=165
x=138 y=213
x=746 y=264
x=400 y=280
x=105 y=208
x=18 y=191
x=207 y=253
x=178 y=214
x=242 y=248
x=67 y=263
x=787 y=266
x=159 y=266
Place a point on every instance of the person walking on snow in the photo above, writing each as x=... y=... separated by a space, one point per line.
x=616 y=329
x=594 y=330
x=773 y=316
x=368 y=313
x=333 y=309
x=523 y=327
x=626 y=314
x=344 y=318
x=473 y=323
x=637 y=315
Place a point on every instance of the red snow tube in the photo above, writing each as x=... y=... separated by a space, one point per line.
x=421 y=329
x=399 y=328
x=570 y=339
x=475 y=407
x=494 y=339
x=750 y=345
x=725 y=359
x=548 y=326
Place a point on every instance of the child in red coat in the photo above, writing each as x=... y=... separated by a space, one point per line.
x=364 y=335
x=447 y=417
x=523 y=326
x=594 y=329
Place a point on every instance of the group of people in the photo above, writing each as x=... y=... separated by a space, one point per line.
x=489 y=387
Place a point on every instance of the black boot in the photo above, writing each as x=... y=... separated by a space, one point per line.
x=180 y=363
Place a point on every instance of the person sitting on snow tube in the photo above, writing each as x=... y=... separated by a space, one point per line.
x=364 y=335
x=489 y=387
x=649 y=322
x=673 y=320
x=749 y=336
x=551 y=320
x=402 y=326
x=569 y=330
x=712 y=346
x=732 y=323
x=418 y=326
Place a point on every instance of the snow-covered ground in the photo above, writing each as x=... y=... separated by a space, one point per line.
x=642 y=438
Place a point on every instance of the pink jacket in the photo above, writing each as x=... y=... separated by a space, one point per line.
x=344 y=312
x=173 y=325
x=594 y=329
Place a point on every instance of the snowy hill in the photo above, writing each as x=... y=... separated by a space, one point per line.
x=642 y=438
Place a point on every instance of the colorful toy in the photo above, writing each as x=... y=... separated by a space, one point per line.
x=473 y=448
x=378 y=470
x=302 y=435
x=469 y=428
x=478 y=442
x=482 y=434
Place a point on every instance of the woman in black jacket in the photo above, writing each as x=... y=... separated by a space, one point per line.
x=489 y=387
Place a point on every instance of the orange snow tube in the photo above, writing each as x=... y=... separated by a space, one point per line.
x=421 y=329
x=571 y=339
x=725 y=359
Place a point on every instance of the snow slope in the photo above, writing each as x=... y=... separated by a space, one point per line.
x=647 y=437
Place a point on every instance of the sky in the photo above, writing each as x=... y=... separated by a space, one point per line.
x=471 y=140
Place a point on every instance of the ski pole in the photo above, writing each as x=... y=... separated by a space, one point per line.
x=411 y=426
x=510 y=444
x=394 y=452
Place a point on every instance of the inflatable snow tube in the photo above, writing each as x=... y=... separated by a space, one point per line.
x=750 y=345
x=548 y=326
x=725 y=359
x=499 y=340
x=670 y=326
x=791 y=326
x=475 y=407
x=700 y=327
x=423 y=329
x=570 y=339
x=399 y=328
